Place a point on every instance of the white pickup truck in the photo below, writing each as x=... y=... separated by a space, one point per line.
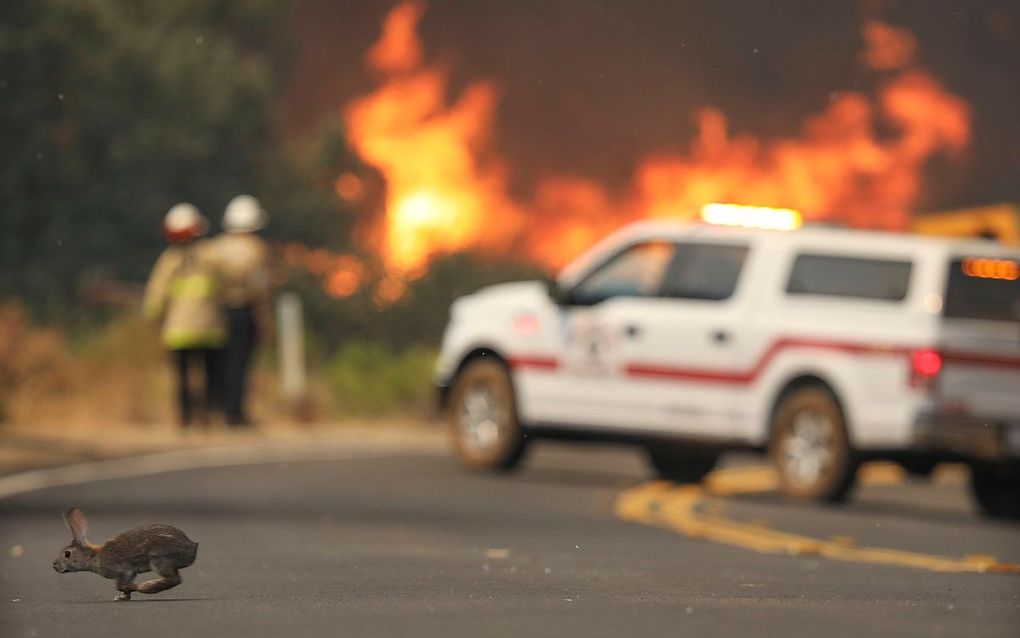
x=820 y=347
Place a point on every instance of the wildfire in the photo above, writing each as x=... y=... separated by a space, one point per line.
x=447 y=188
x=444 y=190
x=349 y=187
x=342 y=275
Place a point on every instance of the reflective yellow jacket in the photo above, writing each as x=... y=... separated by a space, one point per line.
x=183 y=293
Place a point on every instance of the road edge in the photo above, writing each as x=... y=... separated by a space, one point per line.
x=226 y=455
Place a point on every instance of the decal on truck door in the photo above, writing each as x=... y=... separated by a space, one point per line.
x=589 y=344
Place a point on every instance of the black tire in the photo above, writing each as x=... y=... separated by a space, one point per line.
x=996 y=489
x=681 y=464
x=810 y=447
x=482 y=417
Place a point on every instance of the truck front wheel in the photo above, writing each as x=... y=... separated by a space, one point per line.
x=810 y=447
x=485 y=432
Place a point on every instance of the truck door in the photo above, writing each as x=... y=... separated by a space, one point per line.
x=685 y=351
x=592 y=378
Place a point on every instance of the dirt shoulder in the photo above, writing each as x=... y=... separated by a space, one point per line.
x=24 y=447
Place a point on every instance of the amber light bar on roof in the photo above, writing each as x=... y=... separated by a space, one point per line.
x=991 y=268
x=751 y=216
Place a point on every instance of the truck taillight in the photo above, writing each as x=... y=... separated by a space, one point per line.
x=925 y=365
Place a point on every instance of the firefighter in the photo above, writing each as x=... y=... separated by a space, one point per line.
x=182 y=294
x=243 y=262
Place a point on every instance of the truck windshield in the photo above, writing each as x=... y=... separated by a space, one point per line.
x=983 y=289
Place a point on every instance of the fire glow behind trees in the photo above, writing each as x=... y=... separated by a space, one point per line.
x=859 y=160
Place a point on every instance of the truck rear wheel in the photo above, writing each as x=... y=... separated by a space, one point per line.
x=996 y=488
x=485 y=432
x=810 y=447
x=681 y=464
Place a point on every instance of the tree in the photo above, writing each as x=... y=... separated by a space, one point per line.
x=111 y=111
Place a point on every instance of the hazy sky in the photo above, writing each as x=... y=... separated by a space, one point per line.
x=590 y=86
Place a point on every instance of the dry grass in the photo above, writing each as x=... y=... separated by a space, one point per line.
x=120 y=375
x=111 y=395
x=116 y=388
x=34 y=363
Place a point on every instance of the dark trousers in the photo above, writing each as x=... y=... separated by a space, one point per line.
x=236 y=362
x=189 y=399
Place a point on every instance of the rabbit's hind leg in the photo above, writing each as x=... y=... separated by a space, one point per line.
x=125 y=585
x=169 y=577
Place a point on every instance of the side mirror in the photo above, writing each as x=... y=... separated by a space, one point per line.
x=557 y=293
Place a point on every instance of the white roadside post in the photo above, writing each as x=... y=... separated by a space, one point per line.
x=291 y=351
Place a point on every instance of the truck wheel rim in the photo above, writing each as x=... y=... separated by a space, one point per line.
x=807 y=451
x=482 y=419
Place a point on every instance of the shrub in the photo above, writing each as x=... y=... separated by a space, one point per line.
x=369 y=379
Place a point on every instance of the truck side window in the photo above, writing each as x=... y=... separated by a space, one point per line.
x=704 y=271
x=993 y=296
x=634 y=272
x=840 y=276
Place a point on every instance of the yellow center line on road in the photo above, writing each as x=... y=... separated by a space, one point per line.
x=680 y=508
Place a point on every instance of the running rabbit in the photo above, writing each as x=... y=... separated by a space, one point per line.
x=160 y=548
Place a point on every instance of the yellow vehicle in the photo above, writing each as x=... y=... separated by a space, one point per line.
x=996 y=221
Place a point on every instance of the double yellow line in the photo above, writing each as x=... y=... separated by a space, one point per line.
x=687 y=509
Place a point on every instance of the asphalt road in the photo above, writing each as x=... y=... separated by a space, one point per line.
x=407 y=544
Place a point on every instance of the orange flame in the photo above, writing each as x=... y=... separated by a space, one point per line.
x=837 y=170
x=349 y=187
x=443 y=192
x=447 y=191
x=886 y=47
x=398 y=49
x=341 y=275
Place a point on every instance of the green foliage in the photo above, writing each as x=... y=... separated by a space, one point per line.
x=298 y=190
x=418 y=317
x=369 y=379
x=111 y=111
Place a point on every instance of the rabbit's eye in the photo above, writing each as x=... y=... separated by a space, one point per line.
x=67 y=553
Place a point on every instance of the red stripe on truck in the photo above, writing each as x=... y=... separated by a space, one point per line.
x=540 y=363
x=743 y=377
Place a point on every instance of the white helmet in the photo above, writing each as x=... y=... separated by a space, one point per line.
x=244 y=214
x=184 y=221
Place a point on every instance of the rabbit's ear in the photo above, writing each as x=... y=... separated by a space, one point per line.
x=78 y=524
